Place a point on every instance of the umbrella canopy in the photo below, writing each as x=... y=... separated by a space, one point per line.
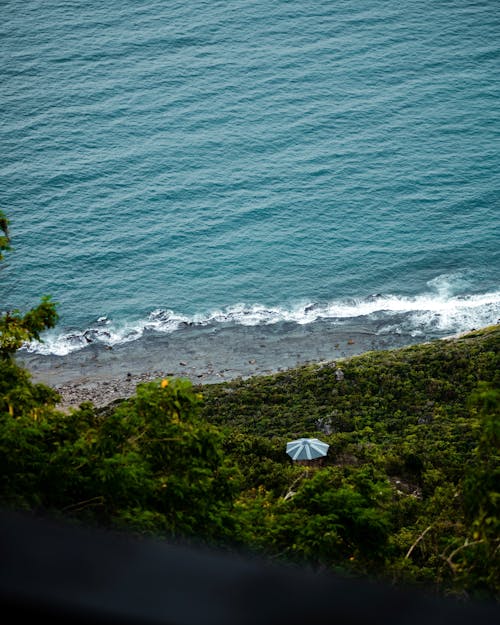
x=306 y=449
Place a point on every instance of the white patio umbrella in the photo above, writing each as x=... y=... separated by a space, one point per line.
x=306 y=449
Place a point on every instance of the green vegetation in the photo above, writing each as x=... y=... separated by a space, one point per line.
x=410 y=487
x=409 y=491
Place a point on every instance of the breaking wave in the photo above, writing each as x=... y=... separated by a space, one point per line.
x=430 y=315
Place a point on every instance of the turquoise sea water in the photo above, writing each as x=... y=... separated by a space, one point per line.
x=251 y=162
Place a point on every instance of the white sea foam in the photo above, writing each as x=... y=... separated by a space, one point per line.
x=62 y=344
x=434 y=312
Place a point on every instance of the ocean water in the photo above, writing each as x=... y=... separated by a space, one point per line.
x=169 y=166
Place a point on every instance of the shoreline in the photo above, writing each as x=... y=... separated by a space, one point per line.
x=102 y=375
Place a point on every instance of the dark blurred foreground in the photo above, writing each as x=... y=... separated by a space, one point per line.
x=77 y=575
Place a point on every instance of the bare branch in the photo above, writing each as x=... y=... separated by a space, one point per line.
x=408 y=554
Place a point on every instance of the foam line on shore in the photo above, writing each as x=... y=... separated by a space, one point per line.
x=420 y=316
